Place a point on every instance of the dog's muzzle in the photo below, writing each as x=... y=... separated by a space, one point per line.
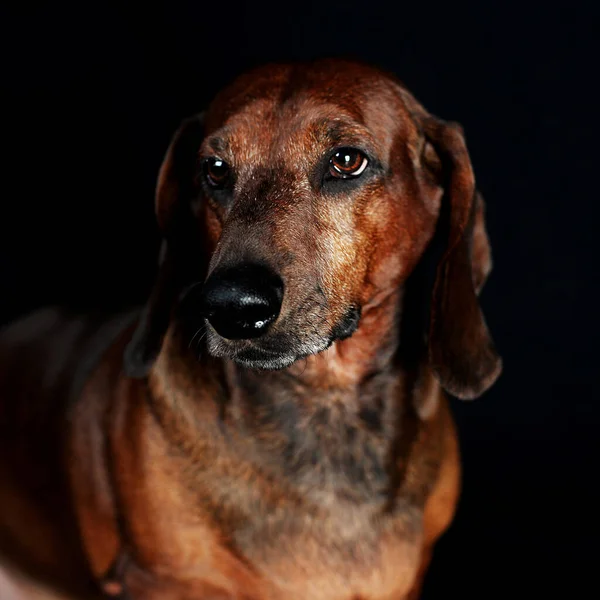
x=242 y=302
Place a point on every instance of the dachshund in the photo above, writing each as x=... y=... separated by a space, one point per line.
x=273 y=424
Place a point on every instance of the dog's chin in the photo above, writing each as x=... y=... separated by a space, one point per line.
x=256 y=359
x=252 y=356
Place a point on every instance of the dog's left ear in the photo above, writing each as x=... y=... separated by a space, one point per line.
x=175 y=191
x=461 y=350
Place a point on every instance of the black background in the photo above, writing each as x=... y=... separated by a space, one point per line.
x=92 y=93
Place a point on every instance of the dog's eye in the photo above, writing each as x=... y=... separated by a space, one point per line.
x=347 y=162
x=216 y=171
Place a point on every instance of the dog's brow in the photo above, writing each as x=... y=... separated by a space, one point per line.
x=334 y=132
x=218 y=145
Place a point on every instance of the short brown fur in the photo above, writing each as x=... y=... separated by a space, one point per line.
x=330 y=477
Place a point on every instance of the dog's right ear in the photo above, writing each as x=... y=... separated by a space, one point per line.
x=175 y=190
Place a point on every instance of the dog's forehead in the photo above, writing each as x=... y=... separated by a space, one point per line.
x=341 y=93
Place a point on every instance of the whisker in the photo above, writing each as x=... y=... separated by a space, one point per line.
x=195 y=334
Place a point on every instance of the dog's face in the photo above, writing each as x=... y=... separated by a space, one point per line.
x=316 y=189
x=310 y=182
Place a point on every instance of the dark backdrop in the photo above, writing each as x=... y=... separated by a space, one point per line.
x=91 y=95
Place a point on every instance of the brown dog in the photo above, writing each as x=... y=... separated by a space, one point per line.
x=279 y=430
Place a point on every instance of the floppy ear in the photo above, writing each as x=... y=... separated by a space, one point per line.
x=461 y=350
x=175 y=191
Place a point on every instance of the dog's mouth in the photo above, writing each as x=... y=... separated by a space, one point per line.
x=280 y=349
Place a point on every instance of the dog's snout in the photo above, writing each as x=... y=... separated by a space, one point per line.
x=241 y=302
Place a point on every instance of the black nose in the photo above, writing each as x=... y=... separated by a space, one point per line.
x=241 y=302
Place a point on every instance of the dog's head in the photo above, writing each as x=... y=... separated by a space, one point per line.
x=305 y=195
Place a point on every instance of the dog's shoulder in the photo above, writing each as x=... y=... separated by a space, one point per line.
x=47 y=356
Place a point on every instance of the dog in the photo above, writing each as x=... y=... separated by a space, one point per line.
x=273 y=424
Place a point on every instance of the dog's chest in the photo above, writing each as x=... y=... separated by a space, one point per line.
x=273 y=554
x=323 y=534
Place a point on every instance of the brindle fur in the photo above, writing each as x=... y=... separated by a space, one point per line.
x=330 y=475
